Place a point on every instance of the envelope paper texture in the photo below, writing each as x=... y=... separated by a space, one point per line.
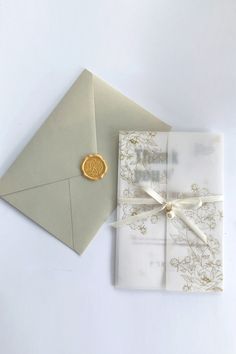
x=45 y=181
x=160 y=252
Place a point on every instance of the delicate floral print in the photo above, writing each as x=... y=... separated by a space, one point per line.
x=139 y=225
x=201 y=269
x=129 y=144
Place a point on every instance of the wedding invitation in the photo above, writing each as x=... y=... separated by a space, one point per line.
x=170 y=211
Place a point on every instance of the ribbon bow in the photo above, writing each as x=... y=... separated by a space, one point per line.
x=172 y=208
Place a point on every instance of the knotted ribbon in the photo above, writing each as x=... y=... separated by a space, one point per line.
x=172 y=208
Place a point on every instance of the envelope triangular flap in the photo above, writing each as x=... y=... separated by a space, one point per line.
x=56 y=150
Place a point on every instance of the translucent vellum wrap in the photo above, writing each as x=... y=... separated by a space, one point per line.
x=157 y=252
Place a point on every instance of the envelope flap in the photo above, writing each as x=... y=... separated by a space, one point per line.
x=56 y=150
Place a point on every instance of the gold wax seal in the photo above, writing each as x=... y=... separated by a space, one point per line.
x=94 y=167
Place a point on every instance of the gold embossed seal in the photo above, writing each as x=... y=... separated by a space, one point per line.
x=94 y=167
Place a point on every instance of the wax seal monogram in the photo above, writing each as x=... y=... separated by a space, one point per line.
x=94 y=167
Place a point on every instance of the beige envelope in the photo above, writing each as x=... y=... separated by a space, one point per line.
x=45 y=181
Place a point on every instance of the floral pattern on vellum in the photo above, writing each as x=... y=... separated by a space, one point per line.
x=131 y=145
x=201 y=266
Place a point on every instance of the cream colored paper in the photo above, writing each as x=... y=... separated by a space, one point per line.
x=161 y=253
x=45 y=181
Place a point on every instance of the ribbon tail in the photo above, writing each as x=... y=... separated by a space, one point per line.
x=191 y=225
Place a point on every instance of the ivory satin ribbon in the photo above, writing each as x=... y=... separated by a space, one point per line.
x=172 y=208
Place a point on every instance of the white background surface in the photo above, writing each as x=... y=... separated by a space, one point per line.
x=175 y=58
